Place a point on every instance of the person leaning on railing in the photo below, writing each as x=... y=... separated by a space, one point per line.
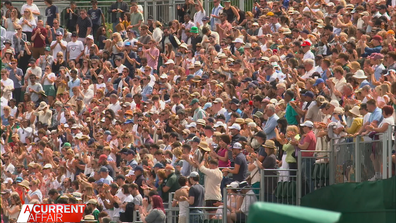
x=388 y=120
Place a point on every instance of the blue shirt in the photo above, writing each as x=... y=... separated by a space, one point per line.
x=215 y=11
x=368 y=50
x=72 y=84
x=270 y=126
x=376 y=115
x=146 y=91
x=378 y=71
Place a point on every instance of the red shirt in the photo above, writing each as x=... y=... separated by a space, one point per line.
x=311 y=139
x=38 y=42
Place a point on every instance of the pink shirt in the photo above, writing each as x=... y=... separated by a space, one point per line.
x=222 y=152
x=150 y=61
x=311 y=139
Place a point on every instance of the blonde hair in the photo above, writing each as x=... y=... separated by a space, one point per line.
x=30 y=14
x=293 y=128
x=177 y=152
x=355 y=65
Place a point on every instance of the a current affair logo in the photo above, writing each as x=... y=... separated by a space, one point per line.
x=51 y=213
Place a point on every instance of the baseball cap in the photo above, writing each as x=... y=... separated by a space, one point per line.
x=235 y=126
x=309 y=94
x=103 y=169
x=306 y=43
x=195 y=100
x=194 y=174
x=318 y=81
x=237 y=145
x=138 y=168
x=307 y=124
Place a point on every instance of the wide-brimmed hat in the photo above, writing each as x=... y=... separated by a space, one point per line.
x=89 y=218
x=269 y=144
x=24 y=184
x=359 y=74
x=204 y=145
x=43 y=105
x=355 y=110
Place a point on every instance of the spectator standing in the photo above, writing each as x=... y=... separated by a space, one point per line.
x=117 y=10
x=239 y=172
x=213 y=178
x=136 y=17
x=58 y=45
x=84 y=26
x=38 y=38
x=75 y=49
x=171 y=183
x=215 y=15
x=32 y=7
x=28 y=23
x=195 y=197
x=71 y=17
x=97 y=17
x=51 y=12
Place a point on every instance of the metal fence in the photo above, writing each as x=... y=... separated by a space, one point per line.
x=161 y=10
x=358 y=159
x=279 y=186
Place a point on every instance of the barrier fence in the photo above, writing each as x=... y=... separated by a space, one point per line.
x=358 y=159
x=163 y=11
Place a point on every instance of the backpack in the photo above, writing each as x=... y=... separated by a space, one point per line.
x=127 y=216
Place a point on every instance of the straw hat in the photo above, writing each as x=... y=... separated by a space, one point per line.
x=240 y=121
x=355 y=111
x=24 y=184
x=269 y=144
x=89 y=218
x=204 y=145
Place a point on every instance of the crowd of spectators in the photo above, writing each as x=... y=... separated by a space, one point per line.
x=119 y=114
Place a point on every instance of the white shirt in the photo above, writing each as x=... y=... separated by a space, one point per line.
x=75 y=49
x=88 y=95
x=391 y=121
x=309 y=55
x=115 y=107
x=25 y=27
x=24 y=133
x=33 y=7
x=308 y=74
x=46 y=80
x=13 y=111
x=198 y=16
x=58 y=48
x=120 y=68
x=157 y=34
x=9 y=84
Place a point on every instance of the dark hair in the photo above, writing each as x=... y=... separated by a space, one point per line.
x=371 y=102
x=53 y=192
x=328 y=27
x=290 y=93
x=225 y=138
x=186 y=146
x=182 y=181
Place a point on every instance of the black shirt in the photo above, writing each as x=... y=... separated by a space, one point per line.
x=197 y=191
x=83 y=24
x=139 y=181
x=50 y=12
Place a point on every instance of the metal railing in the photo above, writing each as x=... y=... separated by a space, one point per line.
x=356 y=157
x=280 y=187
x=163 y=11
x=314 y=172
